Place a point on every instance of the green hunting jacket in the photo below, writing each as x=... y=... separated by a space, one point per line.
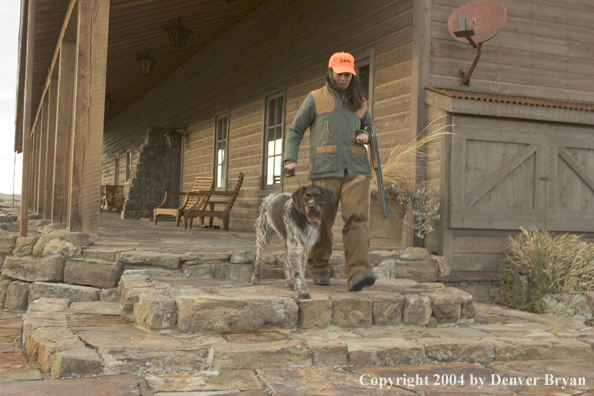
x=333 y=125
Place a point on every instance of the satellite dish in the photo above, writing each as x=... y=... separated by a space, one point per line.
x=474 y=23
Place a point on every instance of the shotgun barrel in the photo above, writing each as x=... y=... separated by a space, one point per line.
x=377 y=165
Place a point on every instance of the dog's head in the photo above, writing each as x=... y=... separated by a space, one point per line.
x=309 y=201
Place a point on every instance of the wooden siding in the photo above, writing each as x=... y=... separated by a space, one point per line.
x=544 y=50
x=281 y=46
x=108 y=168
x=508 y=174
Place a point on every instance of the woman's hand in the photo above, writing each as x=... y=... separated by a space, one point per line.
x=362 y=138
x=290 y=169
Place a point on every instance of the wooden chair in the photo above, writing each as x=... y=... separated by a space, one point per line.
x=112 y=197
x=200 y=184
x=207 y=200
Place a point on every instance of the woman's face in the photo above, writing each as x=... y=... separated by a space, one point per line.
x=343 y=80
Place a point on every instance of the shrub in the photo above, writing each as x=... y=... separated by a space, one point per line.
x=557 y=265
x=400 y=173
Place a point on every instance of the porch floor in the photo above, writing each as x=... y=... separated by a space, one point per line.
x=165 y=237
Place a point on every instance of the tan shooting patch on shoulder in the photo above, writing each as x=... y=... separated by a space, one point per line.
x=324 y=100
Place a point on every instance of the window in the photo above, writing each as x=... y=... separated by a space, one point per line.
x=363 y=73
x=128 y=165
x=273 y=139
x=365 y=67
x=116 y=172
x=220 y=160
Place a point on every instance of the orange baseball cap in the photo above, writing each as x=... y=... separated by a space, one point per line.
x=342 y=62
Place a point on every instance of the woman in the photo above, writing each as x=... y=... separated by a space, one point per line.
x=335 y=115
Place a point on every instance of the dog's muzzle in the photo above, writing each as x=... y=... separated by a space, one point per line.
x=314 y=212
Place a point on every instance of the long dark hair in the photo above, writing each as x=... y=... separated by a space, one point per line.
x=355 y=94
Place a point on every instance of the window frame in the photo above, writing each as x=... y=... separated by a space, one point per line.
x=367 y=58
x=128 y=165
x=215 y=164
x=273 y=96
x=116 y=170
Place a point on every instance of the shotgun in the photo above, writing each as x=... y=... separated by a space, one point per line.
x=377 y=165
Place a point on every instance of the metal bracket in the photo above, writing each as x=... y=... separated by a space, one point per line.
x=466 y=75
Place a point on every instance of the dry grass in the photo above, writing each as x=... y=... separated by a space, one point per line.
x=558 y=265
x=400 y=181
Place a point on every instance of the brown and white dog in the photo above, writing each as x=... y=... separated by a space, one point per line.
x=296 y=220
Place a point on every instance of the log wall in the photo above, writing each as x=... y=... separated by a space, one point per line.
x=281 y=47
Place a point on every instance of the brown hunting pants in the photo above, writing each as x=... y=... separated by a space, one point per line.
x=353 y=195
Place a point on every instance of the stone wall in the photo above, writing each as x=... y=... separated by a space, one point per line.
x=53 y=264
x=56 y=263
x=153 y=176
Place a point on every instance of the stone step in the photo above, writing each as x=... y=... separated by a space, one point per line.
x=76 y=339
x=199 y=306
x=410 y=263
x=484 y=286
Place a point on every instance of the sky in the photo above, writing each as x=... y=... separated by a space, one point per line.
x=9 y=31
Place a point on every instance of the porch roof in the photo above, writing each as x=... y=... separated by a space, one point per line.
x=135 y=28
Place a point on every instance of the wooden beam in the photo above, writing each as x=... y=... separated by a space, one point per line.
x=56 y=54
x=20 y=100
x=64 y=110
x=33 y=175
x=51 y=140
x=576 y=167
x=27 y=116
x=499 y=175
x=41 y=175
x=89 y=113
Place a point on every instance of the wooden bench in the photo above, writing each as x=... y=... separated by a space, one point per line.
x=207 y=200
x=200 y=184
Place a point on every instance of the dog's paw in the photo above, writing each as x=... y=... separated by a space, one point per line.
x=255 y=279
x=303 y=295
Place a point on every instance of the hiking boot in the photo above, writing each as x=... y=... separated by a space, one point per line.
x=322 y=279
x=360 y=279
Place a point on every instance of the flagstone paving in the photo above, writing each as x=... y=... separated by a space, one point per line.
x=504 y=352
x=100 y=350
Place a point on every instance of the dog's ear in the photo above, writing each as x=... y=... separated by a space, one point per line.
x=297 y=200
x=328 y=195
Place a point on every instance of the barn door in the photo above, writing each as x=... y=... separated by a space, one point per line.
x=507 y=174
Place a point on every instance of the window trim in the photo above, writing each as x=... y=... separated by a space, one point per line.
x=116 y=170
x=128 y=165
x=272 y=95
x=223 y=113
x=367 y=56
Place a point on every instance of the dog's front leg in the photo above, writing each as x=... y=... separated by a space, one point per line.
x=295 y=261
x=289 y=273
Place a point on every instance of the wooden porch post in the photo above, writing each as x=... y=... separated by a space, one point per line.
x=64 y=109
x=34 y=159
x=51 y=139
x=27 y=111
x=42 y=146
x=89 y=109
